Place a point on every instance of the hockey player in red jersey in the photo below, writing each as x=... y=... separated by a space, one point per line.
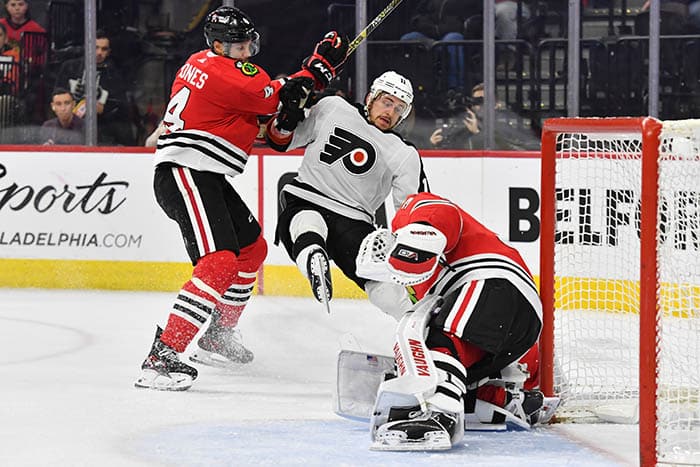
x=211 y=123
x=352 y=162
x=472 y=335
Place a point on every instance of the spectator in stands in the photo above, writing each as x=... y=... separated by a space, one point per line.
x=506 y=23
x=444 y=20
x=114 y=126
x=7 y=50
x=9 y=65
x=66 y=127
x=463 y=131
x=674 y=17
x=17 y=21
x=694 y=15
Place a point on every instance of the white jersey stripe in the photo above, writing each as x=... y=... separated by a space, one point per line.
x=201 y=150
x=467 y=299
x=195 y=210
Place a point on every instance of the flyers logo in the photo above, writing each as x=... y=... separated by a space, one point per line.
x=247 y=68
x=358 y=156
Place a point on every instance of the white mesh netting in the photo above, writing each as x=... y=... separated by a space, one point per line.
x=596 y=330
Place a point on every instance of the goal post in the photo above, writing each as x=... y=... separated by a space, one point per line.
x=620 y=277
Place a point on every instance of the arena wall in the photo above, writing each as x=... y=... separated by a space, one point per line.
x=74 y=217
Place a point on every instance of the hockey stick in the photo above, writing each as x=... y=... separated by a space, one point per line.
x=372 y=25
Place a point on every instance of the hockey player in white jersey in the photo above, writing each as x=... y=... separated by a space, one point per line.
x=352 y=162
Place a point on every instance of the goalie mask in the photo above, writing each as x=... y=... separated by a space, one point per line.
x=230 y=25
x=392 y=83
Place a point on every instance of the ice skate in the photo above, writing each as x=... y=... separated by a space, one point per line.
x=531 y=406
x=319 y=273
x=163 y=370
x=410 y=429
x=221 y=347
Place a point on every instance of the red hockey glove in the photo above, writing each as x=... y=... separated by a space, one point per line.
x=327 y=58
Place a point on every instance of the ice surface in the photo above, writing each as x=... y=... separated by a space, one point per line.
x=68 y=360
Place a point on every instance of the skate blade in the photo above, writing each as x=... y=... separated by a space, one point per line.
x=153 y=380
x=215 y=360
x=323 y=293
x=478 y=426
x=436 y=442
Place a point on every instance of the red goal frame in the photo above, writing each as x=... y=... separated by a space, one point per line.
x=649 y=128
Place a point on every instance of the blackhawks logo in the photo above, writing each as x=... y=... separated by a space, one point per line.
x=247 y=68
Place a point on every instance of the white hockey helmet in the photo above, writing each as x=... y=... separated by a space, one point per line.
x=392 y=83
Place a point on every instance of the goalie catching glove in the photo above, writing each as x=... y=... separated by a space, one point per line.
x=415 y=254
x=329 y=55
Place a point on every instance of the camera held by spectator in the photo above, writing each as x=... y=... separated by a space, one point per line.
x=463 y=121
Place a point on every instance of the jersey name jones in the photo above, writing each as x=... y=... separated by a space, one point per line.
x=193 y=75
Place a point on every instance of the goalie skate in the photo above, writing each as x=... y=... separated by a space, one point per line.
x=221 y=348
x=532 y=406
x=162 y=370
x=415 y=431
x=319 y=273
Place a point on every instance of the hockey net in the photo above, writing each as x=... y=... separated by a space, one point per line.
x=620 y=277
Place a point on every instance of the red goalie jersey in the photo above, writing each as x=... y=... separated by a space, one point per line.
x=472 y=251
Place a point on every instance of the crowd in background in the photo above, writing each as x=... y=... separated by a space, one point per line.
x=140 y=45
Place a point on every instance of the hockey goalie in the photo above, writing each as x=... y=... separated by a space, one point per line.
x=468 y=347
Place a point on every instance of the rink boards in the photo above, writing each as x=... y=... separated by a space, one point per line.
x=76 y=217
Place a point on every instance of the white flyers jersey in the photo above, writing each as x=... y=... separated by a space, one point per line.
x=349 y=165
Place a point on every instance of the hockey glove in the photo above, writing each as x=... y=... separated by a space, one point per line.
x=293 y=96
x=415 y=254
x=329 y=54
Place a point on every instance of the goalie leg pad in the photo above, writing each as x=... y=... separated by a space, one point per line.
x=429 y=391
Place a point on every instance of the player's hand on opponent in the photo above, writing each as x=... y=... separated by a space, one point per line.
x=293 y=98
x=329 y=55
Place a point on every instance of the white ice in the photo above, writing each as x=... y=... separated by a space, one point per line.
x=68 y=360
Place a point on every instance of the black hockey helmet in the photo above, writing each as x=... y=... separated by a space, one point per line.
x=229 y=25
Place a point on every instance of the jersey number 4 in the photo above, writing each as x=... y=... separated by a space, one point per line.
x=176 y=106
x=358 y=155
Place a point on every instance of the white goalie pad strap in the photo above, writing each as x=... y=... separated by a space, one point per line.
x=514 y=375
x=416 y=252
x=490 y=417
x=371 y=259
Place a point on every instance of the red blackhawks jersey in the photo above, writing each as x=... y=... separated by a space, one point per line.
x=211 y=118
x=472 y=252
